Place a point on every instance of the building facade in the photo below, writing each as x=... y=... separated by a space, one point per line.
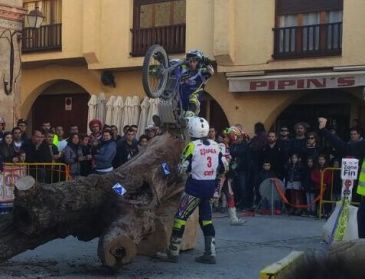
x=277 y=61
x=11 y=18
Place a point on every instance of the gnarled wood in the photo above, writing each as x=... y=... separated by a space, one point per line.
x=89 y=208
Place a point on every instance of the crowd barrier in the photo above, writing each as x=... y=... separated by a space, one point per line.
x=328 y=194
x=332 y=197
x=41 y=172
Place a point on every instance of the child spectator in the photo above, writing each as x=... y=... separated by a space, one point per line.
x=309 y=187
x=316 y=178
x=264 y=174
x=294 y=177
x=143 y=141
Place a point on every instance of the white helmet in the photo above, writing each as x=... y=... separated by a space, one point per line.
x=198 y=127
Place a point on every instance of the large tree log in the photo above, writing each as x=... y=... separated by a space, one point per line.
x=89 y=208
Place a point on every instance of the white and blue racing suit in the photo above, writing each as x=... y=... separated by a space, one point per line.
x=192 y=84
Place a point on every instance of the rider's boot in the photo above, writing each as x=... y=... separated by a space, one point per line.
x=209 y=254
x=172 y=253
x=234 y=220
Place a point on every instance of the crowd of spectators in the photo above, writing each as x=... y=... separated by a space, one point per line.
x=297 y=159
x=98 y=152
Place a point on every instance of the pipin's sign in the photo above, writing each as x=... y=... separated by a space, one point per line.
x=291 y=82
x=349 y=171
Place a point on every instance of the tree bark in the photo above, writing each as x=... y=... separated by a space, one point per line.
x=89 y=208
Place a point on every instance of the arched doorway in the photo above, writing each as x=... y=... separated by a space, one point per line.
x=63 y=103
x=212 y=111
x=339 y=107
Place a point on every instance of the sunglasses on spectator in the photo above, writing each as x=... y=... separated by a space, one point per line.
x=284 y=130
x=310 y=137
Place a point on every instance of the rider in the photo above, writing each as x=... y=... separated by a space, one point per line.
x=225 y=182
x=195 y=74
x=202 y=160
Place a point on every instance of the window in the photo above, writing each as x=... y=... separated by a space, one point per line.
x=158 y=22
x=51 y=9
x=49 y=36
x=308 y=28
x=156 y=13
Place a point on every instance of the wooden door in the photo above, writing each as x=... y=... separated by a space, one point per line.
x=57 y=110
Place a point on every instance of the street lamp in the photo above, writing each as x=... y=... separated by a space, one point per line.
x=33 y=19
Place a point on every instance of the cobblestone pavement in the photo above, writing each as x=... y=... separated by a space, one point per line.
x=241 y=253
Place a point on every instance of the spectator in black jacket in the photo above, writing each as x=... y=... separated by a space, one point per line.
x=37 y=151
x=2 y=128
x=284 y=142
x=273 y=153
x=7 y=149
x=239 y=168
x=1 y=163
x=22 y=124
x=256 y=145
x=312 y=148
x=297 y=144
x=126 y=149
x=355 y=135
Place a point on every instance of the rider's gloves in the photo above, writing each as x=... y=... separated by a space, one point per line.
x=210 y=69
x=206 y=61
x=183 y=167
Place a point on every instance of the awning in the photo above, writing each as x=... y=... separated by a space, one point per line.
x=295 y=81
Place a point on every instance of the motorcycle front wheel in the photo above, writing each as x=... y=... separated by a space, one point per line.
x=155 y=74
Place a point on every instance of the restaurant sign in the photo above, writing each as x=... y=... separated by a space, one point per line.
x=291 y=82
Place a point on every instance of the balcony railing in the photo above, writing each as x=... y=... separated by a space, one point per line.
x=308 y=41
x=171 y=37
x=45 y=38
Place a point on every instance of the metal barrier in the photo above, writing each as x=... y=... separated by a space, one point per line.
x=332 y=198
x=41 y=172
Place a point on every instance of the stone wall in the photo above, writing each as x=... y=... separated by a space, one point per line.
x=11 y=17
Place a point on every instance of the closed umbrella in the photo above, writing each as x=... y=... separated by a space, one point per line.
x=153 y=109
x=136 y=109
x=127 y=110
x=92 y=110
x=117 y=112
x=109 y=110
x=101 y=107
x=142 y=123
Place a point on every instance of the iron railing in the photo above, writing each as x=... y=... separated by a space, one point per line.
x=45 y=38
x=308 y=41
x=171 y=37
